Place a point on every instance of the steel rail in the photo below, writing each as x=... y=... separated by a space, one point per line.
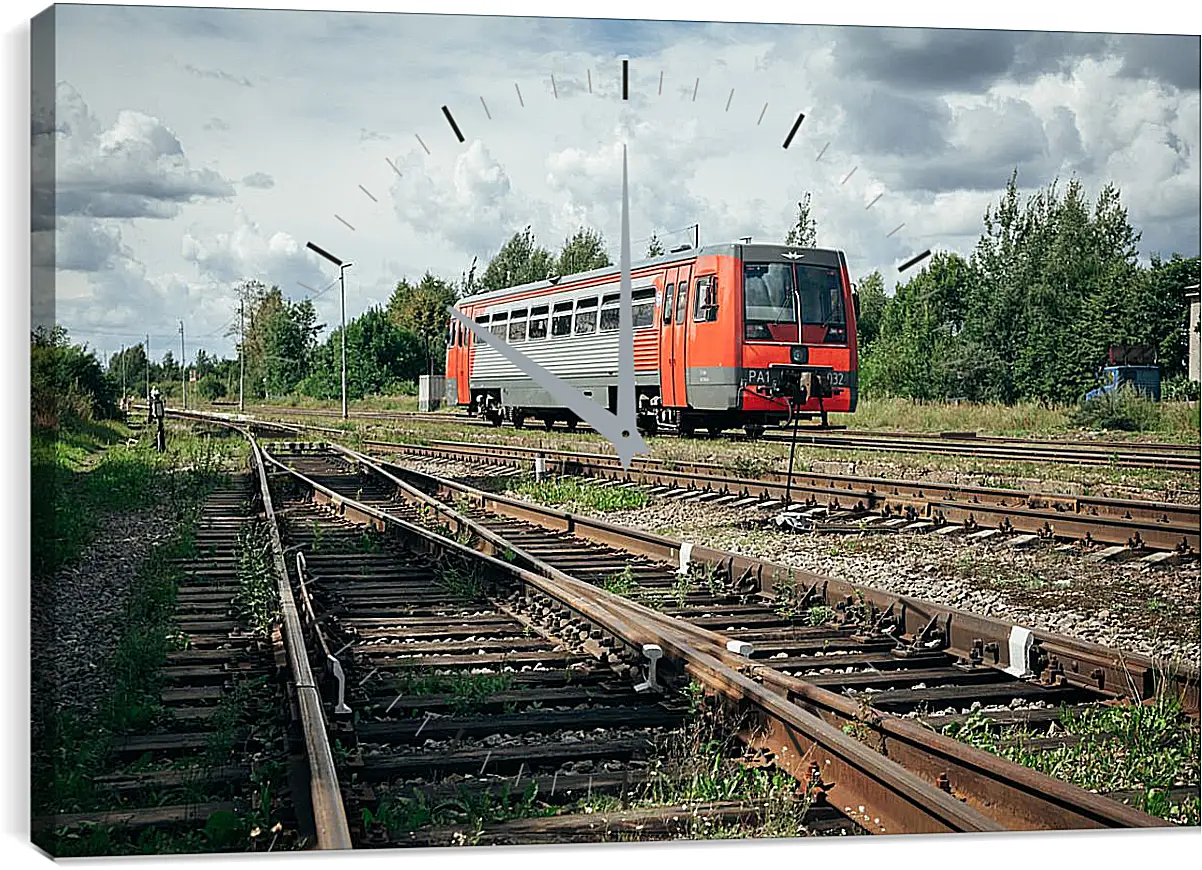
x=903 y=802
x=1076 y=661
x=1125 y=454
x=1017 y=797
x=1159 y=525
x=329 y=813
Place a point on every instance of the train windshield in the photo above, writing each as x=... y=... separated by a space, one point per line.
x=793 y=303
x=769 y=302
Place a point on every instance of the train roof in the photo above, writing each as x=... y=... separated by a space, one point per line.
x=757 y=252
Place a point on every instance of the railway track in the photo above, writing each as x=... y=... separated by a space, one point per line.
x=430 y=638
x=477 y=722
x=214 y=763
x=836 y=668
x=1159 y=531
x=1121 y=454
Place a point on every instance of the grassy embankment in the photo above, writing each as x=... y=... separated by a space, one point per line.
x=83 y=475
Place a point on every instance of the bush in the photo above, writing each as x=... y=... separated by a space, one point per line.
x=1124 y=409
x=1179 y=389
x=210 y=388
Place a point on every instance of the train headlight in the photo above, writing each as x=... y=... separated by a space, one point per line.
x=799 y=355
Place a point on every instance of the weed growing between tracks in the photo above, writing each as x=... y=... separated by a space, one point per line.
x=577 y=495
x=256 y=602
x=1146 y=748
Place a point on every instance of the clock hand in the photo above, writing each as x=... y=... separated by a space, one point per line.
x=621 y=429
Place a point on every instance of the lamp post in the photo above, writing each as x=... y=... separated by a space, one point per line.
x=342 y=267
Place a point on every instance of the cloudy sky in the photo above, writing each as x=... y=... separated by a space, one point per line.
x=196 y=148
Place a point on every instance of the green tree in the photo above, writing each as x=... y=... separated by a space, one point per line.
x=520 y=261
x=380 y=357
x=871 y=291
x=655 y=248
x=804 y=233
x=422 y=311
x=582 y=252
x=66 y=379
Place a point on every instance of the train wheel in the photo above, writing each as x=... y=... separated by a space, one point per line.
x=650 y=427
x=754 y=432
x=549 y=423
x=496 y=419
x=714 y=431
x=571 y=424
x=519 y=422
x=687 y=429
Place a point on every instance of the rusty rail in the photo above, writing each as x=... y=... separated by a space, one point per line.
x=797 y=738
x=329 y=814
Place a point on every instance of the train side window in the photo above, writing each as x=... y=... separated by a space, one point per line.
x=586 y=316
x=643 y=307
x=682 y=298
x=561 y=319
x=500 y=324
x=610 y=312
x=668 y=303
x=517 y=325
x=538 y=323
x=705 y=308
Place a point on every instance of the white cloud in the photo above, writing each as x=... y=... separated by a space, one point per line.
x=934 y=123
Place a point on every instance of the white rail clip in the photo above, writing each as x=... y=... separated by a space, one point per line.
x=654 y=652
x=686 y=553
x=1021 y=640
x=341 y=707
x=740 y=648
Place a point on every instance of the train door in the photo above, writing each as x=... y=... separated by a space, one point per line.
x=667 y=346
x=680 y=331
x=463 y=364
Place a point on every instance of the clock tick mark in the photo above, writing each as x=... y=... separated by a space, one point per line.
x=793 y=132
x=589 y=73
x=485 y=105
x=696 y=85
x=762 y=111
x=849 y=175
x=554 y=89
x=894 y=230
x=344 y=221
x=728 y=99
x=368 y=192
x=451 y=121
x=823 y=151
x=874 y=199
x=393 y=165
x=519 y=90
x=625 y=80
x=420 y=142
x=915 y=259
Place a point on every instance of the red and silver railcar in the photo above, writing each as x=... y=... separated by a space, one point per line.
x=725 y=336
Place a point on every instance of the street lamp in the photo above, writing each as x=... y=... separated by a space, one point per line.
x=342 y=267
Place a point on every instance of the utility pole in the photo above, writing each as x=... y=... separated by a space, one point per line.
x=183 y=369
x=342 y=267
x=241 y=350
x=122 y=377
x=148 y=412
x=342 y=293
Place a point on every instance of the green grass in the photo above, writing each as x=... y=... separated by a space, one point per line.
x=257 y=602
x=578 y=495
x=465 y=693
x=1144 y=747
x=1174 y=421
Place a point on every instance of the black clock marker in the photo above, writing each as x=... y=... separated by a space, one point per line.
x=793 y=132
x=451 y=121
x=910 y=262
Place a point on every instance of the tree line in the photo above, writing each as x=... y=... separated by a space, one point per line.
x=1053 y=282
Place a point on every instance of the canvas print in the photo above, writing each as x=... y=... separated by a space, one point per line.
x=455 y=430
